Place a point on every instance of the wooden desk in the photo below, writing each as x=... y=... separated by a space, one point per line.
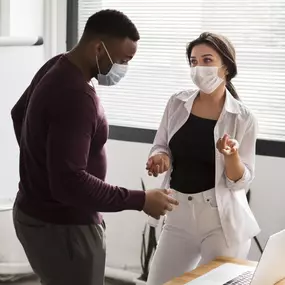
x=201 y=270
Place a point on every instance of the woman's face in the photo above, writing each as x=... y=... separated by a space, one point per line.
x=204 y=55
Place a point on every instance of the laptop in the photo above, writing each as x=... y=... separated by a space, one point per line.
x=270 y=268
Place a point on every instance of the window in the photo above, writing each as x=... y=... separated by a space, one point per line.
x=160 y=68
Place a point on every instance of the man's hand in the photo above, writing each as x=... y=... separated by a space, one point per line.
x=158 y=164
x=157 y=202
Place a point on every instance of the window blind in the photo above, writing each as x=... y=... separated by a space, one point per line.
x=160 y=68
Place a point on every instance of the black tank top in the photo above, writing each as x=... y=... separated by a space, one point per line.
x=193 y=153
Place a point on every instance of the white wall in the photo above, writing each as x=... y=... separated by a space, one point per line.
x=126 y=165
x=4 y=18
x=26 y=17
x=18 y=66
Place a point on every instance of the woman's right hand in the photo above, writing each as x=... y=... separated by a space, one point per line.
x=158 y=164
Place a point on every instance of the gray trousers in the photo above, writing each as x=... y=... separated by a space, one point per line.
x=62 y=254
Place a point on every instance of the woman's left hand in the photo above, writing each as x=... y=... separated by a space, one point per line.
x=227 y=146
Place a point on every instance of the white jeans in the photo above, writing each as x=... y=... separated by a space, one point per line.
x=192 y=234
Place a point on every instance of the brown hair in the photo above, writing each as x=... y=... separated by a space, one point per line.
x=226 y=51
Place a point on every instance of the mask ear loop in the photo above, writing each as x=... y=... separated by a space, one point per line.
x=107 y=52
x=97 y=62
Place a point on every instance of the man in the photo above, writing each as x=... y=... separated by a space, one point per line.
x=61 y=129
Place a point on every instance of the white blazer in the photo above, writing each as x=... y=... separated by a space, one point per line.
x=236 y=120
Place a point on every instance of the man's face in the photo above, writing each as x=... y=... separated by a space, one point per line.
x=119 y=51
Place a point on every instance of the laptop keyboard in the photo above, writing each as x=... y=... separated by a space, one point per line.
x=243 y=279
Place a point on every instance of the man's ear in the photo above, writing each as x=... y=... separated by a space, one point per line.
x=98 y=47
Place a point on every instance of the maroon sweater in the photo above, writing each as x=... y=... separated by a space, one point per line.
x=61 y=129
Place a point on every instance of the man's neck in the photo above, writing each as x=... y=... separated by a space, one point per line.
x=76 y=56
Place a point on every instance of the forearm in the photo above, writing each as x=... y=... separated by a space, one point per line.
x=82 y=189
x=234 y=167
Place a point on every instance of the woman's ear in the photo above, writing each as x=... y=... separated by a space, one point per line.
x=226 y=71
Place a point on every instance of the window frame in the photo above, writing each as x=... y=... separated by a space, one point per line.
x=264 y=147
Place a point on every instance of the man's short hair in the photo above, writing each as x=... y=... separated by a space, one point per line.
x=111 y=23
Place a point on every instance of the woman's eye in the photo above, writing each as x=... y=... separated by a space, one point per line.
x=207 y=60
x=193 y=62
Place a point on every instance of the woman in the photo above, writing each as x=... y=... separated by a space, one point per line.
x=206 y=144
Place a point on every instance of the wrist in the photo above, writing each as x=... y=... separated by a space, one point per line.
x=136 y=200
x=232 y=157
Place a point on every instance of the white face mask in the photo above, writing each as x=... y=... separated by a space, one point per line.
x=206 y=78
x=115 y=74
